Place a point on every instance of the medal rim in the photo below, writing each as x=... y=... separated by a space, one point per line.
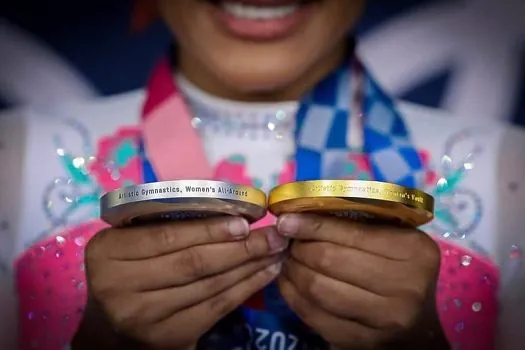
x=382 y=198
x=117 y=208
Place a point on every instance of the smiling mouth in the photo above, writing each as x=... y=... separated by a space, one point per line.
x=261 y=19
x=260 y=9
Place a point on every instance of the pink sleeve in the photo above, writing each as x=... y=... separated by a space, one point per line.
x=467 y=298
x=51 y=287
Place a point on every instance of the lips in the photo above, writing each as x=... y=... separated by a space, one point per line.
x=261 y=13
x=263 y=2
x=261 y=20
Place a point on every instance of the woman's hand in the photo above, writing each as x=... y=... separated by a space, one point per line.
x=166 y=285
x=362 y=286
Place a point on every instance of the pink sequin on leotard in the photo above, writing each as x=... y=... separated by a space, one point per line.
x=51 y=287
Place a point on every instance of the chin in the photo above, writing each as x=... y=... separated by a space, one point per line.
x=268 y=77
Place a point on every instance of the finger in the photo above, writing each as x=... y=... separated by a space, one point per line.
x=339 y=332
x=205 y=315
x=160 y=305
x=199 y=262
x=341 y=299
x=391 y=242
x=367 y=271
x=155 y=240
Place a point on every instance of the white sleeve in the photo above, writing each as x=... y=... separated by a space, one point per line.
x=12 y=150
x=511 y=239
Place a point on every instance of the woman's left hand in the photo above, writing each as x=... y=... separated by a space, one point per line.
x=360 y=286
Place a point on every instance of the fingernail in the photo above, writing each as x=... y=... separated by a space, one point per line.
x=239 y=228
x=288 y=225
x=276 y=242
x=275 y=269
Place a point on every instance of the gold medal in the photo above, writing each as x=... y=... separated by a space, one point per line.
x=366 y=201
x=181 y=200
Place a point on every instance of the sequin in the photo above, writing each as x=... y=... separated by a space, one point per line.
x=60 y=240
x=458 y=303
x=487 y=280
x=80 y=241
x=196 y=122
x=468 y=166
x=79 y=284
x=59 y=254
x=60 y=151
x=466 y=260
x=40 y=250
x=280 y=115
x=115 y=175
x=460 y=327
x=476 y=307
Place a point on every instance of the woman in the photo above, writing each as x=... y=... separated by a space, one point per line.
x=276 y=93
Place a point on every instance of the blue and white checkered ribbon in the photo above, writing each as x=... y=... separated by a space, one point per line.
x=323 y=124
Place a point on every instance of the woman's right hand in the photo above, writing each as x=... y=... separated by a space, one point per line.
x=166 y=285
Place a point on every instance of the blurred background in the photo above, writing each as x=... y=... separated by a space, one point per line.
x=465 y=56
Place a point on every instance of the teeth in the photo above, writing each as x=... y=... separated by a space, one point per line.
x=246 y=11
